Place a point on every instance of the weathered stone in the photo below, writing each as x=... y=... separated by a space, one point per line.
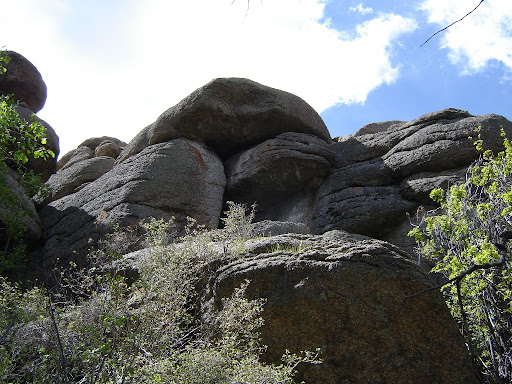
x=367 y=210
x=179 y=178
x=231 y=115
x=24 y=81
x=95 y=146
x=80 y=154
x=444 y=144
x=380 y=177
x=417 y=187
x=65 y=158
x=347 y=295
x=286 y=163
x=107 y=148
x=94 y=142
x=281 y=175
x=378 y=127
x=75 y=176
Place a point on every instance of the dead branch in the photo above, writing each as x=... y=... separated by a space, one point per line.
x=455 y=22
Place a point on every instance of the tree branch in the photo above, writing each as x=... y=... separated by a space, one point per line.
x=455 y=22
x=501 y=246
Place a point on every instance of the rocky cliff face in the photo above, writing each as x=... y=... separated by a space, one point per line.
x=237 y=140
x=386 y=170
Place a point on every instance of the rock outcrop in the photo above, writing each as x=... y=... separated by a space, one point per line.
x=179 y=178
x=378 y=177
x=346 y=295
x=237 y=140
x=231 y=115
x=281 y=175
x=21 y=203
x=24 y=84
x=43 y=167
x=254 y=144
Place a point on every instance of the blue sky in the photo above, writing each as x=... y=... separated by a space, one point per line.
x=111 y=67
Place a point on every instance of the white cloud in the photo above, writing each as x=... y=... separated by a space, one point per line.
x=483 y=36
x=360 y=9
x=112 y=69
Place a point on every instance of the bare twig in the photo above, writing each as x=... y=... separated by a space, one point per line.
x=455 y=22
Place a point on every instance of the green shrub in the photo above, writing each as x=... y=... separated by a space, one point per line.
x=95 y=327
x=463 y=235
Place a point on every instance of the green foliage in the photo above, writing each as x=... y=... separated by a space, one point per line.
x=98 y=327
x=19 y=141
x=463 y=233
x=4 y=60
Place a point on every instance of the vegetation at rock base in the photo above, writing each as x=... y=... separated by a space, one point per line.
x=97 y=326
x=464 y=239
x=19 y=141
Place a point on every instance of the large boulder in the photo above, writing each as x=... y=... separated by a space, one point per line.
x=24 y=81
x=230 y=115
x=179 y=178
x=346 y=294
x=281 y=175
x=382 y=173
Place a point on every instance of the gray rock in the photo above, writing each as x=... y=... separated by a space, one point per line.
x=107 y=148
x=94 y=142
x=80 y=154
x=230 y=115
x=281 y=175
x=286 y=163
x=444 y=144
x=24 y=81
x=75 y=176
x=179 y=178
x=65 y=158
x=418 y=186
x=347 y=295
x=95 y=146
x=378 y=127
x=367 y=210
x=380 y=177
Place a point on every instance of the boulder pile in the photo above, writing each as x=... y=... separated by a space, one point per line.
x=334 y=262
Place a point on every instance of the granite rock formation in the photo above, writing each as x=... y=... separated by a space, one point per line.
x=380 y=176
x=237 y=140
